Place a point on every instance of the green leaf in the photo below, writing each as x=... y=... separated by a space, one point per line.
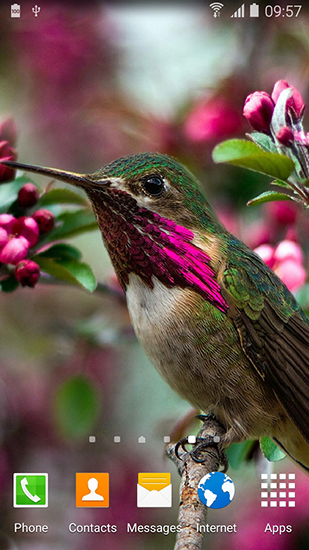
x=76 y=407
x=9 y=192
x=61 y=251
x=269 y=196
x=280 y=183
x=302 y=296
x=238 y=452
x=263 y=141
x=68 y=270
x=248 y=155
x=61 y=196
x=293 y=157
x=270 y=450
x=9 y=284
x=70 y=224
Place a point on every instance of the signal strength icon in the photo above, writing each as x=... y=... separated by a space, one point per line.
x=240 y=12
x=216 y=7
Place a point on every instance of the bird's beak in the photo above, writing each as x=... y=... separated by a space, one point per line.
x=79 y=180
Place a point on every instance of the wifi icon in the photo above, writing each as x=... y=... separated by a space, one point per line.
x=216 y=7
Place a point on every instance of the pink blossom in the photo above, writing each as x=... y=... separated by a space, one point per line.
x=295 y=104
x=258 y=110
x=15 y=250
x=7 y=221
x=3 y=237
x=266 y=252
x=45 y=220
x=288 y=250
x=6 y=153
x=291 y=234
x=287 y=262
x=27 y=273
x=292 y=273
x=285 y=136
x=16 y=237
x=259 y=233
x=8 y=131
x=302 y=137
x=210 y=120
x=28 y=195
x=28 y=227
x=282 y=212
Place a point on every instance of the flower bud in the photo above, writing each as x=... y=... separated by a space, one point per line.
x=285 y=136
x=3 y=236
x=258 y=110
x=281 y=213
x=45 y=220
x=8 y=131
x=14 y=251
x=292 y=273
x=266 y=252
x=28 y=195
x=27 y=227
x=16 y=237
x=288 y=250
x=7 y=221
x=295 y=104
x=301 y=137
x=291 y=235
x=27 y=273
x=6 y=153
x=212 y=120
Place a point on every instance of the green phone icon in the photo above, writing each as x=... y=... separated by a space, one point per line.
x=30 y=490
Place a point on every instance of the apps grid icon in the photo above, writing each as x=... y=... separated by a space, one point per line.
x=278 y=490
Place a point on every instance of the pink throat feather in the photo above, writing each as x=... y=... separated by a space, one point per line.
x=143 y=242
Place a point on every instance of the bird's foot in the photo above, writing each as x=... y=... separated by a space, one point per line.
x=202 y=446
x=210 y=417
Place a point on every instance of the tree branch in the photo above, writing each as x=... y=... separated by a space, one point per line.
x=192 y=513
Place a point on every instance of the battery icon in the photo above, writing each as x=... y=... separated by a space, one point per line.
x=254 y=10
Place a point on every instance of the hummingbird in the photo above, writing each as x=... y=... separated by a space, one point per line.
x=216 y=322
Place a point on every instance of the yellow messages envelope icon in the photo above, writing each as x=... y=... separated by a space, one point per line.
x=154 y=490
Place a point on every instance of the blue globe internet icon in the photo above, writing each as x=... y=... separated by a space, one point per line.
x=216 y=490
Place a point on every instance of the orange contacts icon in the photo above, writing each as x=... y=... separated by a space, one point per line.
x=92 y=490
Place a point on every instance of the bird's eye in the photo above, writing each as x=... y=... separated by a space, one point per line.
x=153 y=186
